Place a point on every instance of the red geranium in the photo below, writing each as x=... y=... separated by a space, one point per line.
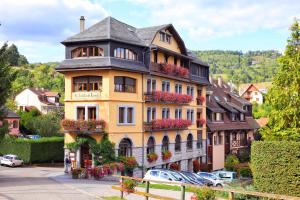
x=174 y=166
x=166 y=155
x=152 y=157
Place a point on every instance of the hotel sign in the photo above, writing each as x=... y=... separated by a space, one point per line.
x=86 y=95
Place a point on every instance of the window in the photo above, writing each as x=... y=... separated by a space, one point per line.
x=175 y=60
x=242 y=117
x=165 y=37
x=87 y=83
x=219 y=117
x=151 y=145
x=178 y=143
x=126 y=115
x=189 y=142
x=199 y=139
x=125 y=54
x=190 y=91
x=165 y=114
x=151 y=114
x=165 y=144
x=165 y=85
x=86 y=112
x=220 y=138
x=234 y=136
x=151 y=85
x=166 y=58
x=190 y=114
x=154 y=173
x=125 y=147
x=178 y=88
x=155 y=56
x=15 y=124
x=87 y=52
x=233 y=117
x=178 y=113
x=125 y=84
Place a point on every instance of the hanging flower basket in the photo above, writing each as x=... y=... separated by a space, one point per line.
x=152 y=157
x=166 y=155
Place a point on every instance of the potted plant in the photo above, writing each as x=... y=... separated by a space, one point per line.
x=152 y=157
x=130 y=164
x=129 y=185
x=166 y=155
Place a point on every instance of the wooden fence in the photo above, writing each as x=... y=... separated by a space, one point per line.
x=183 y=191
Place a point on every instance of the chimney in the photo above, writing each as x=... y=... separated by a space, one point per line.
x=82 y=23
x=219 y=81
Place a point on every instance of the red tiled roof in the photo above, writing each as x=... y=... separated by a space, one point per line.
x=262 y=121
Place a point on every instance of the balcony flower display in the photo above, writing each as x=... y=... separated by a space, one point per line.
x=170 y=123
x=201 y=121
x=201 y=99
x=174 y=166
x=152 y=157
x=166 y=155
x=171 y=97
x=81 y=125
x=174 y=69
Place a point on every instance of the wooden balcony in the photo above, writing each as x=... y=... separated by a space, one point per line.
x=172 y=71
x=239 y=143
x=83 y=126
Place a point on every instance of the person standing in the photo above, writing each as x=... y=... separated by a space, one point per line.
x=67 y=163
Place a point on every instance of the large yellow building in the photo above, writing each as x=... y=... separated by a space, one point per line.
x=147 y=87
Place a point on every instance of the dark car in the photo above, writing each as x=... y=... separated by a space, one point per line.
x=198 y=179
x=189 y=176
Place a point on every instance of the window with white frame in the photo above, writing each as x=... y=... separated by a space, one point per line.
x=151 y=85
x=126 y=115
x=87 y=112
x=178 y=88
x=190 y=90
x=151 y=114
x=165 y=86
x=242 y=117
x=165 y=114
x=178 y=113
x=190 y=114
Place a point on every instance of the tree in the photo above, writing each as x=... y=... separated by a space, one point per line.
x=14 y=58
x=230 y=162
x=105 y=149
x=284 y=96
x=5 y=85
x=47 y=125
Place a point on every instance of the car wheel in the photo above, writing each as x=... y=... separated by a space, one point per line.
x=219 y=186
x=13 y=165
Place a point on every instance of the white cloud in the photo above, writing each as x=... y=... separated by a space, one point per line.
x=39 y=26
x=206 y=19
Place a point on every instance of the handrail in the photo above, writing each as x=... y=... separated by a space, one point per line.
x=231 y=192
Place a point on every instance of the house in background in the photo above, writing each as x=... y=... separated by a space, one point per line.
x=230 y=125
x=254 y=92
x=42 y=99
x=13 y=120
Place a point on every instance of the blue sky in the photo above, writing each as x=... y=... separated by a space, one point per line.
x=37 y=27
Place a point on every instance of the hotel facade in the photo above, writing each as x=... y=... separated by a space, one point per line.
x=144 y=85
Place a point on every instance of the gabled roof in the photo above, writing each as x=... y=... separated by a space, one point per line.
x=9 y=114
x=259 y=86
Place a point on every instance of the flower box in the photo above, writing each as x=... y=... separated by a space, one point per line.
x=201 y=121
x=82 y=125
x=152 y=157
x=166 y=155
x=171 y=69
x=161 y=124
x=168 y=97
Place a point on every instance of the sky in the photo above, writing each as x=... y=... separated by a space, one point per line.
x=38 y=26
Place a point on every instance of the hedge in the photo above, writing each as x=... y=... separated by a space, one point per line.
x=276 y=167
x=43 y=150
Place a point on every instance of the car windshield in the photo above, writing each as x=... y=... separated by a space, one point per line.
x=8 y=157
x=176 y=176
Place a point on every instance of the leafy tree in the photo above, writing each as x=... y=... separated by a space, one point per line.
x=105 y=149
x=284 y=96
x=27 y=120
x=5 y=85
x=230 y=162
x=14 y=58
x=47 y=125
x=260 y=111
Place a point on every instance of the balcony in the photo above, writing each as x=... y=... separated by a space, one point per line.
x=83 y=126
x=200 y=100
x=168 y=98
x=170 y=70
x=166 y=125
x=239 y=143
x=200 y=123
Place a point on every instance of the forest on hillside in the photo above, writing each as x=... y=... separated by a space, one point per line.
x=239 y=67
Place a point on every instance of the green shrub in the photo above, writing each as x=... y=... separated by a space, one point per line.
x=230 y=162
x=244 y=155
x=275 y=166
x=204 y=193
x=245 y=172
x=34 y=151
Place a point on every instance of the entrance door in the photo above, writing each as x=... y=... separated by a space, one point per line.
x=86 y=156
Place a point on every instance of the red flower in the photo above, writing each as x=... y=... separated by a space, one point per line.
x=174 y=166
x=171 y=97
x=201 y=121
x=174 y=69
x=166 y=155
x=170 y=123
x=152 y=157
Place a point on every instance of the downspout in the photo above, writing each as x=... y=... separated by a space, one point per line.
x=143 y=129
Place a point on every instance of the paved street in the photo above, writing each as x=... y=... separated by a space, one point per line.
x=36 y=183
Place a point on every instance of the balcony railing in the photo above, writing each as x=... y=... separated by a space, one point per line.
x=83 y=126
x=167 y=124
x=167 y=97
x=239 y=143
x=200 y=123
x=170 y=69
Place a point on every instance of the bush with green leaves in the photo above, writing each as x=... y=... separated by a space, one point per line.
x=275 y=166
x=230 y=162
x=204 y=193
x=245 y=172
x=41 y=150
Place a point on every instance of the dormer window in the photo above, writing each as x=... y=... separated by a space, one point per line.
x=125 y=54
x=165 y=37
x=91 y=51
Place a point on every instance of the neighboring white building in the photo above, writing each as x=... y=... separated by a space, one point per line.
x=254 y=92
x=40 y=98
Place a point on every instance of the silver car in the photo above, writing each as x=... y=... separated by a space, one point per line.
x=11 y=160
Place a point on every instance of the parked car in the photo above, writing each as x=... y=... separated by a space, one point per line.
x=226 y=176
x=1 y=156
x=161 y=175
x=182 y=177
x=199 y=180
x=11 y=160
x=34 y=137
x=217 y=181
